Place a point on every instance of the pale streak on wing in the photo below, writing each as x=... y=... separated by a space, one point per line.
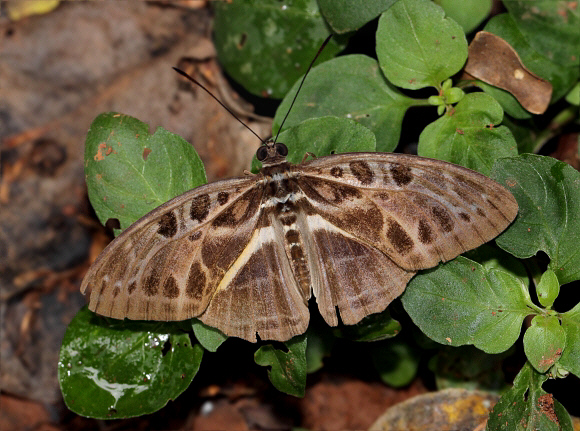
x=417 y=211
x=259 y=294
x=349 y=273
x=145 y=275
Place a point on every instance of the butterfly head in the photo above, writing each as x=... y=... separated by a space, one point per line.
x=272 y=153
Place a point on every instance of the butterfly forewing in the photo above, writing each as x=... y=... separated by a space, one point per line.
x=417 y=211
x=167 y=265
x=244 y=254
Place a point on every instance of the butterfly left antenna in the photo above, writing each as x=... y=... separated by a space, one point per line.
x=181 y=72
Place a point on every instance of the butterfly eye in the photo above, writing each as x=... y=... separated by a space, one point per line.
x=262 y=153
x=282 y=149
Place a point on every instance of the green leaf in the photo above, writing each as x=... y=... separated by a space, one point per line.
x=396 y=361
x=417 y=46
x=461 y=302
x=551 y=27
x=561 y=78
x=526 y=406
x=350 y=15
x=322 y=137
x=210 y=338
x=351 y=87
x=548 y=288
x=130 y=172
x=468 y=368
x=548 y=192
x=544 y=342
x=266 y=45
x=467 y=136
x=468 y=13
x=571 y=356
x=112 y=369
x=374 y=327
x=288 y=372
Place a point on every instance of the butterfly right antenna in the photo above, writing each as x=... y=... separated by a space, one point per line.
x=302 y=82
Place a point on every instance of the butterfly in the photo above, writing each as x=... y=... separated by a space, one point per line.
x=244 y=255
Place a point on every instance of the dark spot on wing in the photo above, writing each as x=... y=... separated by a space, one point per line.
x=195 y=282
x=336 y=172
x=399 y=238
x=425 y=232
x=401 y=174
x=465 y=216
x=239 y=211
x=443 y=218
x=223 y=198
x=199 y=208
x=150 y=285
x=170 y=289
x=167 y=225
x=362 y=171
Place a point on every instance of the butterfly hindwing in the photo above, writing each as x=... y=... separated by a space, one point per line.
x=259 y=293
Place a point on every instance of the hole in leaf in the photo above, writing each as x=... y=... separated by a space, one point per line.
x=526 y=394
x=166 y=347
x=113 y=223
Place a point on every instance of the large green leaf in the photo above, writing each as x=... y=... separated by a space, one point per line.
x=561 y=78
x=130 y=172
x=118 y=369
x=551 y=27
x=417 y=46
x=288 y=369
x=350 y=15
x=462 y=302
x=467 y=136
x=527 y=407
x=266 y=45
x=548 y=193
x=571 y=356
x=350 y=87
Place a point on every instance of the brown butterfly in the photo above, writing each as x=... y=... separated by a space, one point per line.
x=245 y=254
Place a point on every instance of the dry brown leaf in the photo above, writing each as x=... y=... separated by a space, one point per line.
x=492 y=60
